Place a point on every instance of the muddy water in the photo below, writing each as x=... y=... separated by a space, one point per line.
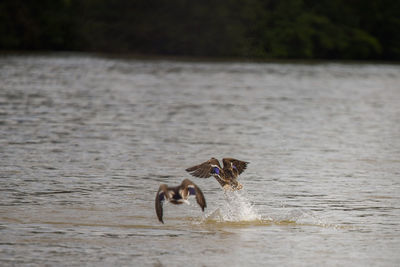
x=86 y=140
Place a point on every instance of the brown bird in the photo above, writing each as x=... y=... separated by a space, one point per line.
x=226 y=176
x=178 y=195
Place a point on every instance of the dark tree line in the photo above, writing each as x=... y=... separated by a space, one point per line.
x=324 y=29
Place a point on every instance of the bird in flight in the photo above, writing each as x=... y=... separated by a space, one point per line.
x=178 y=195
x=226 y=175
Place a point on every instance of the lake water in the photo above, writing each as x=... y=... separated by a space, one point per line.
x=85 y=142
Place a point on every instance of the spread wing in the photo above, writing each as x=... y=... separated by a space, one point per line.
x=193 y=189
x=162 y=193
x=205 y=169
x=238 y=164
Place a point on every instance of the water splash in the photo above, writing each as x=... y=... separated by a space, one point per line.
x=235 y=207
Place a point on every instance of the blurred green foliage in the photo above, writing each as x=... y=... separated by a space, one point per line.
x=323 y=29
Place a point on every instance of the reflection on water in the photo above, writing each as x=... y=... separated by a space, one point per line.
x=85 y=142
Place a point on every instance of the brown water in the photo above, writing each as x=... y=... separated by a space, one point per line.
x=86 y=140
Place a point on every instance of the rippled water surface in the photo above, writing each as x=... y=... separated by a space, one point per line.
x=85 y=142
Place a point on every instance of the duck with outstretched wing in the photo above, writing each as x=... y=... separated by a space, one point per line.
x=178 y=195
x=226 y=175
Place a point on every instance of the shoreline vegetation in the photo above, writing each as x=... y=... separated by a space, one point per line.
x=252 y=30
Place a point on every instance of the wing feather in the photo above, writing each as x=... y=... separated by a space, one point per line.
x=195 y=190
x=239 y=164
x=160 y=197
x=204 y=169
x=200 y=198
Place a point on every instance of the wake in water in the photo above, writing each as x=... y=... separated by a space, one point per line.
x=235 y=207
x=303 y=217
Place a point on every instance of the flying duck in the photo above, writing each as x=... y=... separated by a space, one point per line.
x=226 y=176
x=178 y=195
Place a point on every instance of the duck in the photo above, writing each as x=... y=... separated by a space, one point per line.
x=178 y=195
x=226 y=175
